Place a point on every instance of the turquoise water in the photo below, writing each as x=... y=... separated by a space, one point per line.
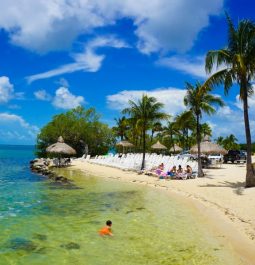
x=43 y=222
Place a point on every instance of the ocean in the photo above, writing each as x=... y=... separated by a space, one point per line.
x=43 y=222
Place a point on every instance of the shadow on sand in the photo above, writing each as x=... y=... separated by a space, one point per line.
x=238 y=187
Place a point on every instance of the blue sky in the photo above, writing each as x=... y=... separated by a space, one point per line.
x=56 y=55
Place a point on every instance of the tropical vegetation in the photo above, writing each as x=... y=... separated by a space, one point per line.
x=144 y=114
x=80 y=128
x=229 y=142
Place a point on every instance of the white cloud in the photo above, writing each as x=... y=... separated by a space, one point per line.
x=88 y=60
x=7 y=91
x=64 y=99
x=161 y=25
x=172 y=98
x=15 y=129
x=42 y=95
x=193 y=66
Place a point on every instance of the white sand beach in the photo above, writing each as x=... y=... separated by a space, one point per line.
x=219 y=197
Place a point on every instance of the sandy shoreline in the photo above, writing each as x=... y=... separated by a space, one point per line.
x=219 y=197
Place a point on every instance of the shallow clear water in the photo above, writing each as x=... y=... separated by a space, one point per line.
x=42 y=222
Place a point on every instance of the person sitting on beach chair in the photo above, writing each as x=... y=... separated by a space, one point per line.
x=188 y=171
x=172 y=172
x=180 y=174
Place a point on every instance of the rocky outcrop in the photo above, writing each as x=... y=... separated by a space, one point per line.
x=43 y=167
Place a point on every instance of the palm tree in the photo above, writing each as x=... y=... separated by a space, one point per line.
x=185 y=122
x=220 y=141
x=121 y=127
x=238 y=62
x=170 y=131
x=230 y=142
x=199 y=100
x=146 y=111
x=156 y=127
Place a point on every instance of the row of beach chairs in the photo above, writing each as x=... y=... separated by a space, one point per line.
x=134 y=161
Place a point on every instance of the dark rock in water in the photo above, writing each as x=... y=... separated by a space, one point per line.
x=40 y=237
x=70 y=245
x=20 y=243
x=42 y=250
x=140 y=208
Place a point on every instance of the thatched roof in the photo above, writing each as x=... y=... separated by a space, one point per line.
x=61 y=148
x=125 y=144
x=158 y=145
x=208 y=147
x=175 y=148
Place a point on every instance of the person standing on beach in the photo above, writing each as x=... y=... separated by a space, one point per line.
x=106 y=231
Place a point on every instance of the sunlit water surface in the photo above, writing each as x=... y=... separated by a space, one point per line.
x=47 y=223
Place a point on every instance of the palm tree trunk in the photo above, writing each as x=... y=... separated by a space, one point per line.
x=250 y=176
x=200 y=171
x=144 y=147
x=152 y=134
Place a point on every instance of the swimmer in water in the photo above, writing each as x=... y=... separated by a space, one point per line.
x=106 y=230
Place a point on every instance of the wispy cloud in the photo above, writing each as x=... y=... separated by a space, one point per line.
x=42 y=95
x=88 y=60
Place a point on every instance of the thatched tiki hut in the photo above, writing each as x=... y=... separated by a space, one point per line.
x=61 y=148
x=158 y=146
x=207 y=148
x=175 y=149
x=124 y=144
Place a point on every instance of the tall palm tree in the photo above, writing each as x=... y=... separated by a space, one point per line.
x=121 y=127
x=185 y=122
x=146 y=111
x=238 y=62
x=199 y=100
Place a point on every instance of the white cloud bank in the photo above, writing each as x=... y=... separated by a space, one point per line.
x=161 y=25
x=63 y=98
x=172 y=98
x=7 y=91
x=88 y=60
x=14 y=129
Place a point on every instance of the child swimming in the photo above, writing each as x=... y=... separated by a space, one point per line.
x=106 y=231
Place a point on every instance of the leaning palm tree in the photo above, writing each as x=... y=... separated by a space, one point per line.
x=238 y=62
x=146 y=111
x=199 y=100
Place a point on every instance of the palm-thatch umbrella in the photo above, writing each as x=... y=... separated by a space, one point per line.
x=175 y=148
x=124 y=144
x=207 y=148
x=158 y=146
x=61 y=148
